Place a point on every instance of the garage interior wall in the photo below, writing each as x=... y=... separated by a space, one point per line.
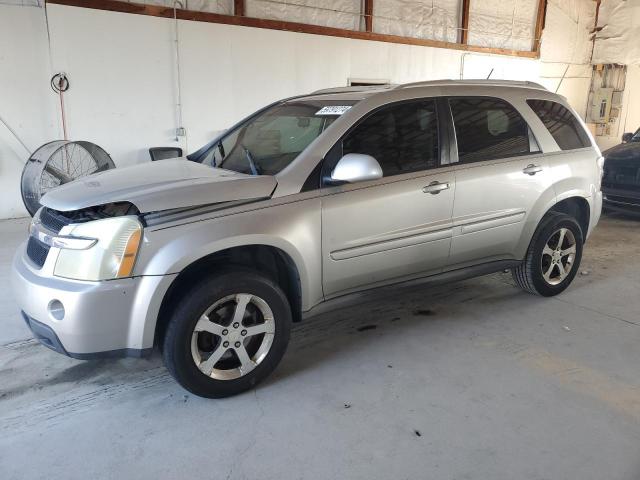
x=616 y=43
x=122 y=68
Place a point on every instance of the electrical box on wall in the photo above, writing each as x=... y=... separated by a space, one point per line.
x=601 y=105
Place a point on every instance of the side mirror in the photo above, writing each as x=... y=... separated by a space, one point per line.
x=626 y=137
x=356 y=167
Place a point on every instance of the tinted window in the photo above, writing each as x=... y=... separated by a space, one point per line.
x=488 y=128
x=402 y=138
x=561 y=123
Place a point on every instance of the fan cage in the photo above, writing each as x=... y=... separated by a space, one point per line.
x=57 y=163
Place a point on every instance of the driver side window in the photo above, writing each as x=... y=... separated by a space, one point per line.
x=402 y=137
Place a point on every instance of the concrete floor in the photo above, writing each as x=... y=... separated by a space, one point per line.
x=474 y=380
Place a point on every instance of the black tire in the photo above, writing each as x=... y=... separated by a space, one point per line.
x=176 y=349
x=529 y=275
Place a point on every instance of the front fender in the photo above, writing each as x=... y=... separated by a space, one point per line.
x=292 y=227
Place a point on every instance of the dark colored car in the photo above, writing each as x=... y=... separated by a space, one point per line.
x=621 y=180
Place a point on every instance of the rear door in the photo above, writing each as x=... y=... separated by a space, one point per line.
x=500 y=177
x=396 y=227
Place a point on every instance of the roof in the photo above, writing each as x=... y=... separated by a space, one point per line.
x=478 y=82
x=359 y=93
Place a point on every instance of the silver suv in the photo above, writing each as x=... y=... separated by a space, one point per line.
x=312 y=198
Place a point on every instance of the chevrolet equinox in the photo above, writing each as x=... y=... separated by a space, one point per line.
x=309 y=199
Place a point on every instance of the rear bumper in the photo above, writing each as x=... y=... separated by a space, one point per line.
x=596 y=212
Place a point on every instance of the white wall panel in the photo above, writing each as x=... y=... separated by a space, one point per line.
x=327 y=13
x=566 y=34
x=224 y=7
x=27 y=104
x=631 y=101
x=502 y=23
x=121 y=71
x=618 y=41
x=436 y=20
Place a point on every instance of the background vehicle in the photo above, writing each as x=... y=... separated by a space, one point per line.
x=621 y=180
x=310 y=199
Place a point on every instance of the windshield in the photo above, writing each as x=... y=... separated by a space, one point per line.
x=268 y=142
x=636 y=136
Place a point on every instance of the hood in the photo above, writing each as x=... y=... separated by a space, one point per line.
x=624 y=151
x=161 y=185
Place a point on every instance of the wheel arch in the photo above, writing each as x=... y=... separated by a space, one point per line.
x=272 y=261
x=577 y=206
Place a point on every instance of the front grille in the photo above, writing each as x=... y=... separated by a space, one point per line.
x=53 y=220
x=37 y=251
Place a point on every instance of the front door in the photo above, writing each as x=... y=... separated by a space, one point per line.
x=400 y=226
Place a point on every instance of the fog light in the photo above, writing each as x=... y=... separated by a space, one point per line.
x=56 y=309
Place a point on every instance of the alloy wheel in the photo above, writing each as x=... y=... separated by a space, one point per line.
x=233 y=336
x=558 y=256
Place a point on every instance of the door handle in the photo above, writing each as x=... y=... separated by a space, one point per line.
x=532 y=169
x=435 y=187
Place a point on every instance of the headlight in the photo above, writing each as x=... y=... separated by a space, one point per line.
x=112 y=256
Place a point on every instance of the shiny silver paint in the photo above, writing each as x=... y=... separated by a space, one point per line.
x=99 y=316
x=356 y=167
x=342 y=239
x=410 y=235
x=169 y=184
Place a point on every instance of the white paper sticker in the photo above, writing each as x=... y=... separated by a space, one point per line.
x=333 y=110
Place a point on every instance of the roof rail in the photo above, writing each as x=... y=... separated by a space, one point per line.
x=363 y=88
x=478 y=82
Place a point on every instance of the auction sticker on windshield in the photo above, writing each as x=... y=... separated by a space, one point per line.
x=333 y=110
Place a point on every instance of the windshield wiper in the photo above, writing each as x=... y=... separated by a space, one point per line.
x=252 y=163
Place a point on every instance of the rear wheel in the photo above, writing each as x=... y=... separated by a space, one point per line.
x=553 y=257
x=228 y=334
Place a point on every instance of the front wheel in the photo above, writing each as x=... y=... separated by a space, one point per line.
x=228 y=334
x=553 y=257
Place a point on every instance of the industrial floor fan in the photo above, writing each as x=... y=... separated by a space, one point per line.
x=59 y=162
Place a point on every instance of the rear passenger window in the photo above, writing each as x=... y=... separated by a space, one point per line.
x=488 y=128
x=561 y=123
x=402 y=137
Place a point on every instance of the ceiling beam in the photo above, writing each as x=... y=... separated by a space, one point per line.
x=464 y=23
x=368 y=15
x=537 y=33
x=238 y=8
x=595 y=30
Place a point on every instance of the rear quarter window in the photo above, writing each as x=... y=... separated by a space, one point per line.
x=563 y=126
